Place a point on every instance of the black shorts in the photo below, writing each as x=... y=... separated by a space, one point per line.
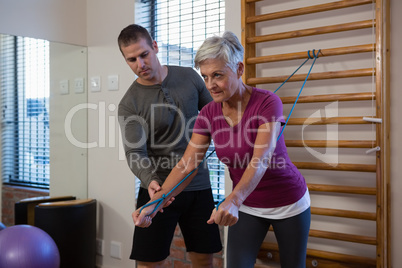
x=191 y=210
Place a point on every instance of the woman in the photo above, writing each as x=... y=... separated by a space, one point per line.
x=244 y=123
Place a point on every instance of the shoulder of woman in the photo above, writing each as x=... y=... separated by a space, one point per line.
x=262 y=95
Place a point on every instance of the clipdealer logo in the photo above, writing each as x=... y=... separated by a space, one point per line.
x=329 y=155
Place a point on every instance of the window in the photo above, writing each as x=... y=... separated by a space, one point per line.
x=179 y=27
x=24 y=76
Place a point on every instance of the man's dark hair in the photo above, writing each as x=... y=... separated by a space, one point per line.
x=132 y=34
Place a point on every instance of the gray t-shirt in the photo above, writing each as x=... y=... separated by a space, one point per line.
x=157 y=122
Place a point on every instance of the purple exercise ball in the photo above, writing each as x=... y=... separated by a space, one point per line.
x=26 y=246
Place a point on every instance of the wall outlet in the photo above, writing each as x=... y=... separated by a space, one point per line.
x=100 y=247
x=64 y=87
x=113 y=82
x=115 y=250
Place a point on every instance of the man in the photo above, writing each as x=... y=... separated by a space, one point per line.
x=156 y=114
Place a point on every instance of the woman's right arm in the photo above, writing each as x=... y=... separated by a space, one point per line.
x=192 y=157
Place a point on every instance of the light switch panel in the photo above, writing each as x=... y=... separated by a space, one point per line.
x=95 y=84
x=79 y=85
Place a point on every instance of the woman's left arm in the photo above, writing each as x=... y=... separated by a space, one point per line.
x=264 y=147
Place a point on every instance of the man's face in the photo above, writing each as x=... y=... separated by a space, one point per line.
x=142 y=60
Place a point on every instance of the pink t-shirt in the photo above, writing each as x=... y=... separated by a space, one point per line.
x=282 y=183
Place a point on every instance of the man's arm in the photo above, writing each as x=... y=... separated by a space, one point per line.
x=134 y=135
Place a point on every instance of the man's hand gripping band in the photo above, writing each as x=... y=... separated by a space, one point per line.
x=159 y=201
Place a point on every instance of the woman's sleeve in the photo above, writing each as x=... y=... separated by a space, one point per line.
x=202 y=124
x=271 y=110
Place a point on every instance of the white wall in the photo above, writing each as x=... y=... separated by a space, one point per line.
x=109 y=179
x=53 y=20
x=68 y=122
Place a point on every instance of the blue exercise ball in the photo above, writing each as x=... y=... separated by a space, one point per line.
x=26 y=246
x=2 y=226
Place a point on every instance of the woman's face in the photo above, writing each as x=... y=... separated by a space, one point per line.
x=221 y=82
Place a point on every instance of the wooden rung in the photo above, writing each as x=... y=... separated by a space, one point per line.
x=303 y=55
x=363 y=96
x=330 y=120
x=345 y=258
x=313 y=76
x=344 y=213
x=342 y=189
x=313 y=31
x=252 y=1
x=369 y=240
x=336 y=167
x=307 y=10
x=332 y=256
x=331 y=143
x=344 y=237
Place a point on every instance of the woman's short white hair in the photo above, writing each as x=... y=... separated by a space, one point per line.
x=227 y=48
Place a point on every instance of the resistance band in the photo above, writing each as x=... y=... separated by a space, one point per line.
x=160 y=200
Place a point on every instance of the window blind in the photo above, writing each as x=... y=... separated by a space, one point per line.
x=25 y=105
x=180 y=27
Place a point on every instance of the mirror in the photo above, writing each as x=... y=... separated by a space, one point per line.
x=67 y=117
